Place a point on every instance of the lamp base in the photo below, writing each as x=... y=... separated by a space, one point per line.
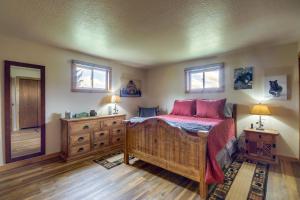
x=260 y=124
x=116 y=111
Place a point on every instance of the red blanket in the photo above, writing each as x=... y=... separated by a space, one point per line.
x=222 y=132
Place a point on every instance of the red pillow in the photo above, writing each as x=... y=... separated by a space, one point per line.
x=210 y=108
x=184 y=107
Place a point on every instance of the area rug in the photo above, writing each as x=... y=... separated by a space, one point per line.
x=244 y=179
x=111 y=160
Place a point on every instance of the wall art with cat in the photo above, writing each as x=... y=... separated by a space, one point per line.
x=276 y=87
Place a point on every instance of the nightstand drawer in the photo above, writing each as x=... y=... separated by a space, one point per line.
x=259 y=137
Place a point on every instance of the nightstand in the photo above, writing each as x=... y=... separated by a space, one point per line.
x=261 y=145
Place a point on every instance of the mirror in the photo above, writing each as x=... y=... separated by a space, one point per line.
x=24 y=110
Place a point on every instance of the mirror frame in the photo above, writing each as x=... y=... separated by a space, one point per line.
x=7 y=109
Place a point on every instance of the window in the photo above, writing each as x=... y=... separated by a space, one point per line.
x=87 y=77
x=208 y=78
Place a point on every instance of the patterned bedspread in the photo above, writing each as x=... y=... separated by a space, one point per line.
x=187 y=126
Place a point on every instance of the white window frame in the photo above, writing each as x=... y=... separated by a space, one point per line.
x=205 y=68
x=82 y=64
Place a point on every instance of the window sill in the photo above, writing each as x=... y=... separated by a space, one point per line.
x=89 y=90
x=219 y=90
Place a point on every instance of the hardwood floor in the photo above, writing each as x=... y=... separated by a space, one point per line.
x=25 y=141
x=54 y=179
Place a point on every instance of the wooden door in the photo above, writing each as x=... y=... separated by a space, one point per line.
x=29 y=103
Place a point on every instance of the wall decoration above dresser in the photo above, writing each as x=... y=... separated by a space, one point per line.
x=131 y=88
x=243 y=78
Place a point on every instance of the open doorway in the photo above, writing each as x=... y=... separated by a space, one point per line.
x=26 y=134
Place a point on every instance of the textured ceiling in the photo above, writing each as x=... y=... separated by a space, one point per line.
x=152 y=32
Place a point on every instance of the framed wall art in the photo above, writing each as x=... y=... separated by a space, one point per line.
x=131 y=88
x=243 y=78
x=276 y=87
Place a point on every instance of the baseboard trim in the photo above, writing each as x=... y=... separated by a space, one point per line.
x=29 y=161
x=289 y=158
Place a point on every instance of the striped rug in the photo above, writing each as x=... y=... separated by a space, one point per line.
x=243 y=180
x=112 y=160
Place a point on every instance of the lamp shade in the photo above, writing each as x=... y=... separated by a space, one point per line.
x=115 y=99
x=260 y=109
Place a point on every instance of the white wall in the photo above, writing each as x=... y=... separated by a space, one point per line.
x=59 y=98
x=24 y=72
x=166 y=83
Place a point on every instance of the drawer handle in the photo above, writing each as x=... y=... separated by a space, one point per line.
x=118 y=139
x=118 y=130
x=259 y=136
x=114 y=122
x=101 y=144
x=80 y=149
x=102 y=133
x=86 y=127
x=80 y=139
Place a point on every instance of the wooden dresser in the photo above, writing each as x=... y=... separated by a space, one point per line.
x=261 y=145
x=84 y=136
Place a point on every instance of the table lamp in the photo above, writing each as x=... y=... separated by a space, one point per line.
x=115 y=99
x=260 y=109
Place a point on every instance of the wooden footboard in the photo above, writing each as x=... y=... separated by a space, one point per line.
x=156 y=142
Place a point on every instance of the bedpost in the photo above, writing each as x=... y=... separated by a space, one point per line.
x=234 y=116
x=203 y=187
x=126 y=155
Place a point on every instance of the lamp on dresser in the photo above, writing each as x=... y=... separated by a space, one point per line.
x=115 y=99
x=260 y=109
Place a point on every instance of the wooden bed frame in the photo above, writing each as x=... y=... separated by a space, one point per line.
x=171 y=148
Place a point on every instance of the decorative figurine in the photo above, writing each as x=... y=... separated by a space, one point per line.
x=68 y=115
x=93 y=113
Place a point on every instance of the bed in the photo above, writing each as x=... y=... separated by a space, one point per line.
x=186 y=145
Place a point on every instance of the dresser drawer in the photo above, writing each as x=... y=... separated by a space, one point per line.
x=101 y=144
x=118 y=131
x=79 y=139
x=112 y=122
x=117 y=139
x=101 y=135
x=83 y=127
x=80 y=149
